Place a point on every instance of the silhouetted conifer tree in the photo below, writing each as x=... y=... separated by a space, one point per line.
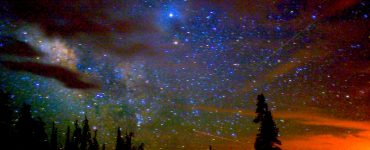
x=95 y=144
x=267 y=138
x=6 y=114
x=40 y=135
x=67 y=145
x=128 y=142
x=76 y=138
x=119 y=140
x=31 y=133
x=23 y=127
x=86 y=135
x=53 y=138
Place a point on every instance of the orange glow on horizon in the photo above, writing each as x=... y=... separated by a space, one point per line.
x=360 y=141
x=344 y=141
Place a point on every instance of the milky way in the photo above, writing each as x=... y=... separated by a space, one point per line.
x=186 y=74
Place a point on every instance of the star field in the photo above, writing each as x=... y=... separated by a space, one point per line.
x=185 y=74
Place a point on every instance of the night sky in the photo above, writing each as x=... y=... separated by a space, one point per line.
x=186 y=74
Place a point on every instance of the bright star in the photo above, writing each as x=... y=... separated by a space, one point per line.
x=170 y=15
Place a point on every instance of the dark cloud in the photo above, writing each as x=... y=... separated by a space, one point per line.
x=59 y=17
x=12 y=46
x=69 y=78
x=94 y=20
x=62 y=18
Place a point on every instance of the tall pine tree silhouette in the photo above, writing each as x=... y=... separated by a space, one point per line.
x=6 y=120
x=40 y=136
x=267 y=138
x=95 y=144
x=67 y=145
x=30 y=132
x=53 y=138
x=86 y=135
x=76 y=138
x=119 y=140
x=128 y=142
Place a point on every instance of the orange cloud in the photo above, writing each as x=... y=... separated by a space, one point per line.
x=346 y=141
x=359 y=140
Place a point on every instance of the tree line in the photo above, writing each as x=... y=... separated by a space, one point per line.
x=25 y=132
